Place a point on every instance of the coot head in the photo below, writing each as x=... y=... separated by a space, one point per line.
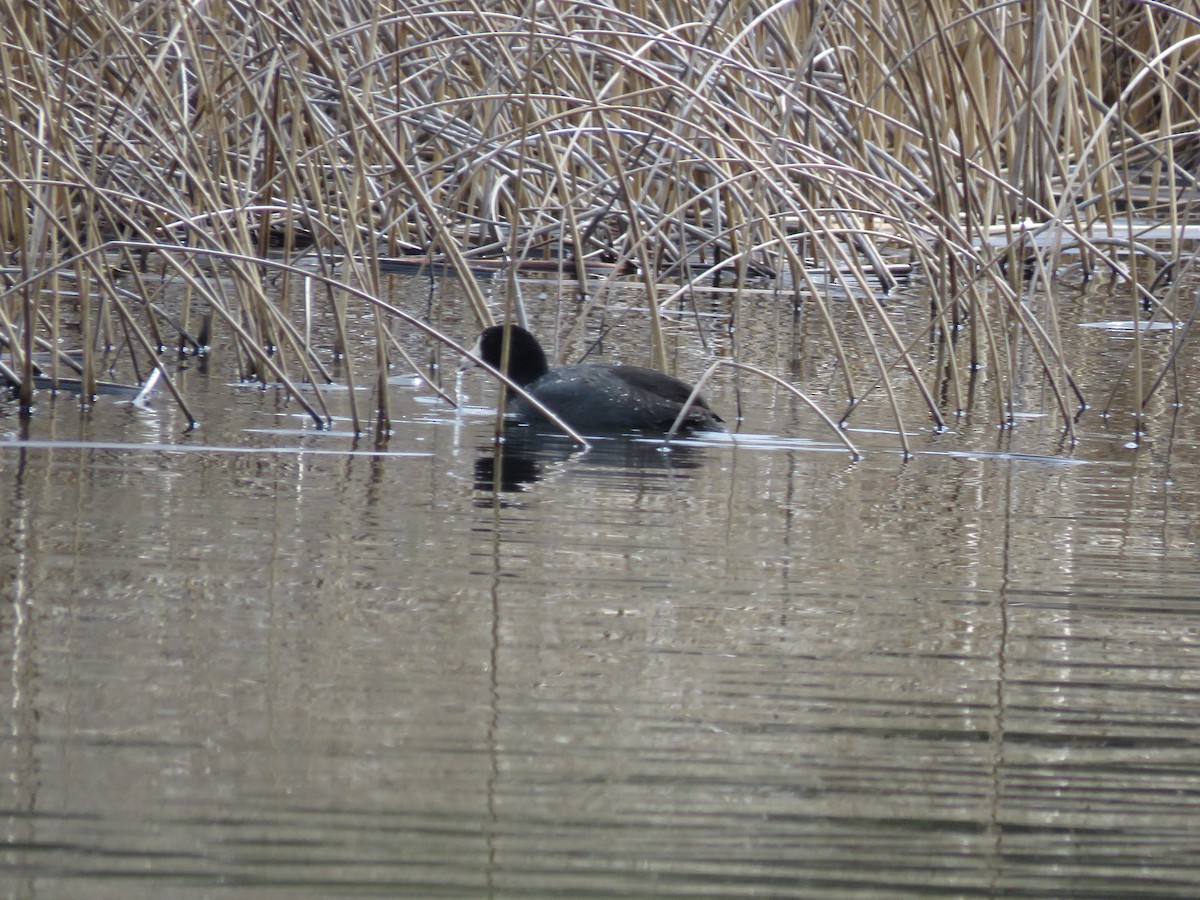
x=526 y=359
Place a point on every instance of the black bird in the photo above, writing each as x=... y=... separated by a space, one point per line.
x=592 y=397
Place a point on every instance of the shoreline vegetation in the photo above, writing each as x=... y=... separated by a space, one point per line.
x=167 y=169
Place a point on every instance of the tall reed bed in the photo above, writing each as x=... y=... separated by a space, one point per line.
x=820 y=148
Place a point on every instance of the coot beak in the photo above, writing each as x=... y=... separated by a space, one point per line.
x=477 y=350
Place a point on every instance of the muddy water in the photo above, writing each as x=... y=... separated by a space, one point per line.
x=261 y=660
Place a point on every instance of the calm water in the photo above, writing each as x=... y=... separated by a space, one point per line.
x=261 y=660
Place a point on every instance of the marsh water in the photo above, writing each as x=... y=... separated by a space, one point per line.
x=258 y=659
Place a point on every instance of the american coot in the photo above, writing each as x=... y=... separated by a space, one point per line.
x=595 y=397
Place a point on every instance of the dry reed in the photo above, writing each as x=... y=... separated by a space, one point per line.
x=818 y=147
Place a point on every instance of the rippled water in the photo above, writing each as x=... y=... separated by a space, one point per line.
x=260 y=660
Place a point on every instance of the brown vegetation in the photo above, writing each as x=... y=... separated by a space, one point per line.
x=988 y=146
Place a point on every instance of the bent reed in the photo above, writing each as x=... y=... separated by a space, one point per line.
x=214 y=153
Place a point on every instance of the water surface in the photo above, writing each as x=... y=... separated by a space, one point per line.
x=261 y=660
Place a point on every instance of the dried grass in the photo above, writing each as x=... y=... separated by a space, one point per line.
x=988 y=146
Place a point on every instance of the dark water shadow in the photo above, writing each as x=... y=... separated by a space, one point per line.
x=527 y=455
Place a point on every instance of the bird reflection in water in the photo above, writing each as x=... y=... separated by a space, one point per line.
x=527 y=455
